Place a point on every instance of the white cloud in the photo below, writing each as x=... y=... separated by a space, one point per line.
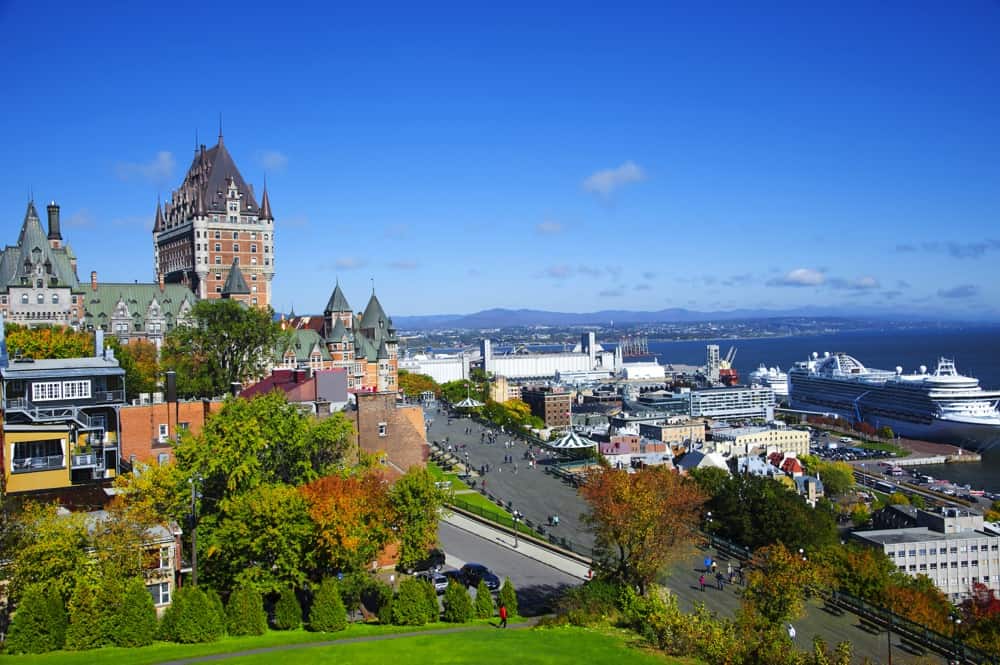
x=157 y=171
x=79 y=218
x=272 y=160
x=349 y=263
x=607 y=181
x=404 y=264
x=800 y=277
x=549 y=227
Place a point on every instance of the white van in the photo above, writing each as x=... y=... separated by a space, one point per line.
x=846 y=439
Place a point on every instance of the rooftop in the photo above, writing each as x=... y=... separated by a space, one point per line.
x=916 y=534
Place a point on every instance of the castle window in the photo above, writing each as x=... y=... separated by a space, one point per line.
x=55 y=298
x=253 y=289
x=218 y=275
x=236 y=235
x=253 y=235
x=253 y=260
x=218 y=289
x=218 y=260
x=24 y=298
x=39 y=283
x=253 y=248
x=218 y=234
x=383 y=429
x=40 y=298
x=253 y=278
x=218 y=246
x=236 y=247
x=253 y=301
x=3 y=300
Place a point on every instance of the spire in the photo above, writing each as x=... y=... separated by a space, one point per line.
x=201 y=205
x=265 y=204
x=158 y=224
x=338 y=302
x=31 y=213
x=220 y=127
x=235 y=284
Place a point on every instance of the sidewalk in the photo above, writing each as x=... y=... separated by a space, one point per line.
x=524 y=547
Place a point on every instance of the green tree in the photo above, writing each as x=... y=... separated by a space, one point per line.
x=327 y=613
x=508 y=596
x=226 y=342
x=236 y=450
x=457 y=604
x=48 y=548
x=160 y=490
x=140 y=360
x=87 y=616
x=261 y=538
x=409 y=607
x=886 y=432
x=777 y=584
x=217 y=614
x=133 y=618
x=413 y=385
x=416 y=502
x=898 y=499
x=40 y=621
x=245 y=612
x=431 y=600
x=189 y=620
x=484 y=601
x=860 y=515
x=287 y=611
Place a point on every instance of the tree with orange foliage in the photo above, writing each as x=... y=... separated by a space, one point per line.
x=641 y=520
x=920 y=601
x=353 y=517
x=48 y=342
x=981 y=618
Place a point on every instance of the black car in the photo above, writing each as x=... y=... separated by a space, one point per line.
x=439 y=580
x=472 y=573
x=433 y=562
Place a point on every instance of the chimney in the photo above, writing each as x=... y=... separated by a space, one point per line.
x=98 y=343
x=93 y=280
x=54 y=234
x=161 y=281
x=171 y=386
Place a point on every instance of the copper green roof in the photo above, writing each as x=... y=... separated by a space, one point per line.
x=235 y=284
x=18 y=264
x=140 y=301
x=339 y=332
x=304 y=341
x=337 y=302
x=374 y=316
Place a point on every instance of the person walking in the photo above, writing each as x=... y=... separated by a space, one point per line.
x=715 y=565
x=708 y=563
x=791 y=631
x=701 y=582
x=503 y=616
x=719 y=581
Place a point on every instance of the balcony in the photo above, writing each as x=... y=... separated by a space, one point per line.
x=108 y=396
x=43 y=463
x=52 y=413
x=87 y=461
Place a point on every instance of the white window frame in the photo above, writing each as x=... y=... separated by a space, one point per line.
x=46 y=391
x=76 y=389
x=166 y=560
x=383 y=429
x=160 y=593
x=164 y=432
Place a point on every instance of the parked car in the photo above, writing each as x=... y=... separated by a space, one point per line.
x=438 y=580
x=434 y=562
x=472 y=573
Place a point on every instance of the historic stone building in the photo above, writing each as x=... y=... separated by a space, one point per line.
x=133 y=311
x=364 y=344
x=38 y=281
x=211 y=222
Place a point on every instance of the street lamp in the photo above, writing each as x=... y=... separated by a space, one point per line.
x=515 y=515
x=956 y=624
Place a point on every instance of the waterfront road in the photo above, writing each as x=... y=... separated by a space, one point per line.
x=538 y=494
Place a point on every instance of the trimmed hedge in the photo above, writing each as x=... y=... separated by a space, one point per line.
x=287 y=611
x=433 y=610
x=39 y=623
x=484 y=601
x=218 y=613
x=508 y=597
x=409 y=607
x=87 y=624
x=245 y=613
x=383 y=597
x=189 y=619
x=457 y=604
x=327 y=613
x=133 y=622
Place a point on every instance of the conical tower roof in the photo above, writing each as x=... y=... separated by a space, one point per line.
x=337 y=302
x=383 y=351
x=158 y=224
x=339 y=332
x=235 y=284
x=265 y=206
x=374 y=316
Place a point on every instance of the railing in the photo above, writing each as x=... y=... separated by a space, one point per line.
x=48 y=413
x=43 y=463
x=109 y=396
x=521 y=526
x=87 y=460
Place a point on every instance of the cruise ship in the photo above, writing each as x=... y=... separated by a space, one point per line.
x=773 y=378
x=942 y=405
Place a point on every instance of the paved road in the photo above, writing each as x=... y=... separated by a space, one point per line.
x=536 y=583
x=537 y=495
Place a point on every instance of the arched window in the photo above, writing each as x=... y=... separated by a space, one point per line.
x=24 y=298
x=55 y=298
x=41 y=298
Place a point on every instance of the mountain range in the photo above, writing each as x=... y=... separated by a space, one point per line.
x=505 y=318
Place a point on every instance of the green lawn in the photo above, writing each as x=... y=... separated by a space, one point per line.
x=551 y=646
x=482 y=645
x=164 y=651
x=440 y=475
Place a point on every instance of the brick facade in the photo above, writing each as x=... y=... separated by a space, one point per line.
x=141 y=439
x=397 y=431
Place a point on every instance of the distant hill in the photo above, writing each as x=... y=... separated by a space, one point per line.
x=499 y=318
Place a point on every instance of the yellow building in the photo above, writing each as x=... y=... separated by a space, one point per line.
x=60 y=420
x=741 y=441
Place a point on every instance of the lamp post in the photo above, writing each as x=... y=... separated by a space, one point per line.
x=515 y=516
x=956 y=624
x=194 y=480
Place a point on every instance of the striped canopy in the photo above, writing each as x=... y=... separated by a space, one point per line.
x=468 y=403
x=572 y=441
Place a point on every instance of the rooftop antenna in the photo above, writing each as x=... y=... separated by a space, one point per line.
x=373 y=285
x=220 y=127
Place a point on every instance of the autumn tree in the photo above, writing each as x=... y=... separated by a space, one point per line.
x=413 y=385
x=159 y=490
x=261 y=539
x=863 y=572
x=641 y=520
x=354 y=520
x=226 y=342
x=777 y=584
x=48 y=342
x=415 y=501
x=47 y=549
x=981 y=618
x=919 y=600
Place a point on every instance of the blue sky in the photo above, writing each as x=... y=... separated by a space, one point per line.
x=565 y=157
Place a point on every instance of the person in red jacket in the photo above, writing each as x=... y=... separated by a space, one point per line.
x=503 y=616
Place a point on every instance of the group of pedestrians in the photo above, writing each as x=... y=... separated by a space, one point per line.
x=731 y=576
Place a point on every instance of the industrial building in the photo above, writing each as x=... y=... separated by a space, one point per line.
x=742 y=441
x=442 y=368
x=586 y=357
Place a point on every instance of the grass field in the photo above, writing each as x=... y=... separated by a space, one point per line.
x=483 y=645
x=555 y=646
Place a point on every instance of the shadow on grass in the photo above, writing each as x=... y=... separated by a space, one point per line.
x=539 y=599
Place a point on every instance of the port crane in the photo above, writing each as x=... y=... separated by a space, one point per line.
x=728 y=376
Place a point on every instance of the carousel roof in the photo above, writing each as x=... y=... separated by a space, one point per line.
x=571 y=440
x=468 y=403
